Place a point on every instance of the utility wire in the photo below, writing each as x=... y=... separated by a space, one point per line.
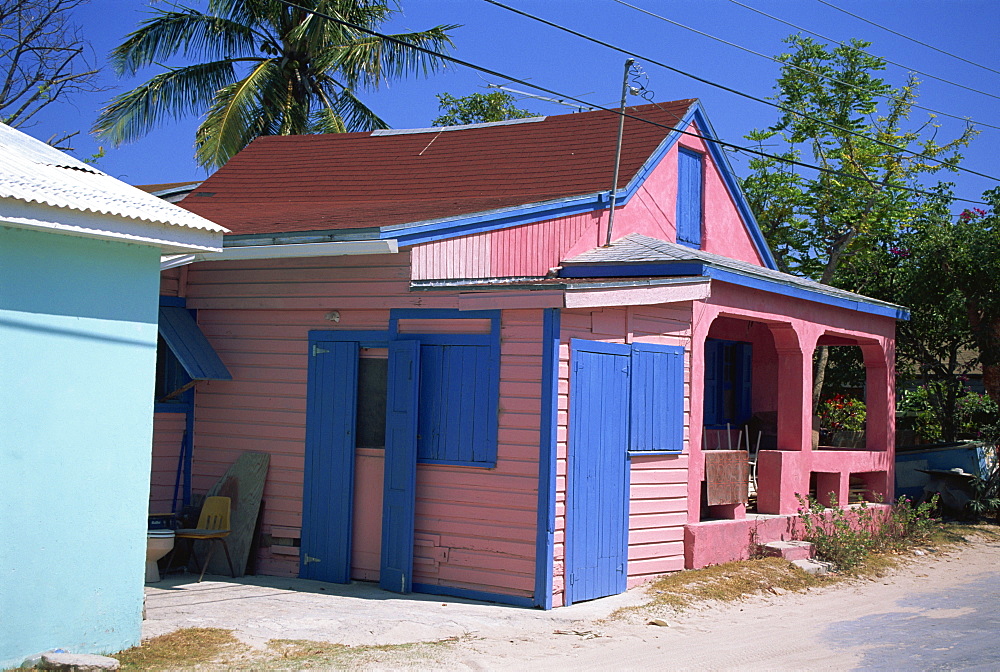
x=764 y=101
x=907 y=37
x=830 y=39
x=784 y=63
x=500 y=75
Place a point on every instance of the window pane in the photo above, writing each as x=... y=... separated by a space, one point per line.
x=372 y=376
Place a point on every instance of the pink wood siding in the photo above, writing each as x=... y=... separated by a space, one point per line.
x=658 y=496
x=529 y=250
x=475 y=527
x=367 y=543
x=168 y=432
x=170 y=282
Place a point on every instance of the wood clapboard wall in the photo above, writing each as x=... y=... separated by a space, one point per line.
x=168 y=432
x=475 y=526
x=520 y=251
x=658 y=492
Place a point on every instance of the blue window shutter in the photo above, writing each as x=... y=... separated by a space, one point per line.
x=657 y=398
x=459 y=389
x=400 y=476
x=328 y=482
x=189 y=345
x=713 y=381
x=744 y=359
x=690 y=166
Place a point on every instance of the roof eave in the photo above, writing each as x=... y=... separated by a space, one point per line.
x=694 y=267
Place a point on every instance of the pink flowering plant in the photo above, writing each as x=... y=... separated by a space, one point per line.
x=842 y=414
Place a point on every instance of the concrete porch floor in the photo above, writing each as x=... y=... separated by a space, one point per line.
x=261 y=608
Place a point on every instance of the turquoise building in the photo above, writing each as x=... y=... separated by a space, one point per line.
x=80 y=260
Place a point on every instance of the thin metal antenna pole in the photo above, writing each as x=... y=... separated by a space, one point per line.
x=618 y=152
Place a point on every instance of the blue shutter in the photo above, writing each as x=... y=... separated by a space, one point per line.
x=459 y=388
x=744 y=362
x=189 y=345
x=689 y=197
x=657 y=398
x=713 y=381
x=400 y=481
x=328 y=482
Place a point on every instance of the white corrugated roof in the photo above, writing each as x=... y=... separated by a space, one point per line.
x=34 y=172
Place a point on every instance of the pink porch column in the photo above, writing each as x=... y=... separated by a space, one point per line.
x=880 y=402
x=783 y=473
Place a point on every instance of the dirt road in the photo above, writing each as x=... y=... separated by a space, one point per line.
x=941 y=611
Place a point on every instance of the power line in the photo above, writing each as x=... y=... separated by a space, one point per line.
x=737 y=92
x=784 y=63
x=830 y=39
x=907 y=37
x=500 y=75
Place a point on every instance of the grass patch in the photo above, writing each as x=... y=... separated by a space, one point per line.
x=296 y=654
x=182 y=649
x=730 y=581
x=218 y=649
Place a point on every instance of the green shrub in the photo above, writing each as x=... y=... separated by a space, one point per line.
x=846 y=537
x=842 y=414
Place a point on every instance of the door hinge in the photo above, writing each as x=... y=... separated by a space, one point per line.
x=308 y=558
x=318 y=350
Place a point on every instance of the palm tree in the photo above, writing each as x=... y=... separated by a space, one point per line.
x=266 y=69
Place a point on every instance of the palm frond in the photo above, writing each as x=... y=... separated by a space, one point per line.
x=367 y=61
x=356 y=116
x=174 y=93
x=189 y=32
x=240 y=112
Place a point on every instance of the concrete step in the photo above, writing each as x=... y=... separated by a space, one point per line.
x=789 y=550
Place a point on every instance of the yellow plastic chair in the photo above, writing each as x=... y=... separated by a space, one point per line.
x=213 y=525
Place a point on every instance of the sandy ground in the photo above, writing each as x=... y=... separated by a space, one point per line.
x=941 y=611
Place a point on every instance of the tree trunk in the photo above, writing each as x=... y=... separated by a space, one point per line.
x=819 y=374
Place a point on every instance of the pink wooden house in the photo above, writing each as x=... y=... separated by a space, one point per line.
x=465 y=392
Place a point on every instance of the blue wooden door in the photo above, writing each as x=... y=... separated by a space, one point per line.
x=597 y=487
x=399 y=493
x=328 y=484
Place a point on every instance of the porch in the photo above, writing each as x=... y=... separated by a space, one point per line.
x=756 y=449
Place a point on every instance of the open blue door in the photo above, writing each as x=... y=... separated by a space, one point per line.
x=399 y=494
x=597 y=488
x=328 y=485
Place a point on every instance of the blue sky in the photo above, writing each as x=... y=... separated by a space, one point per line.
x=514 y=45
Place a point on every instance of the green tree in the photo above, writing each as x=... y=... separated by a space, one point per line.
x=478 y=108
x=262 y=68
x=958 y=260
x=845 y=119
x=840 y=122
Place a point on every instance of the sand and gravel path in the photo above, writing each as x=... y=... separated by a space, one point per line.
x=940 y=611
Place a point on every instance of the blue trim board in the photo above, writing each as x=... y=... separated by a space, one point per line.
x=176 y=301
x=499 y=598
x=365 y=338
x=426 y=232
x=546 y=525
x=633 y=270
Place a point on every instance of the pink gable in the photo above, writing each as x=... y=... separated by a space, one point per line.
x=533 y=249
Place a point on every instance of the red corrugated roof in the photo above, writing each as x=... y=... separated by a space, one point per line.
x=282 y=184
